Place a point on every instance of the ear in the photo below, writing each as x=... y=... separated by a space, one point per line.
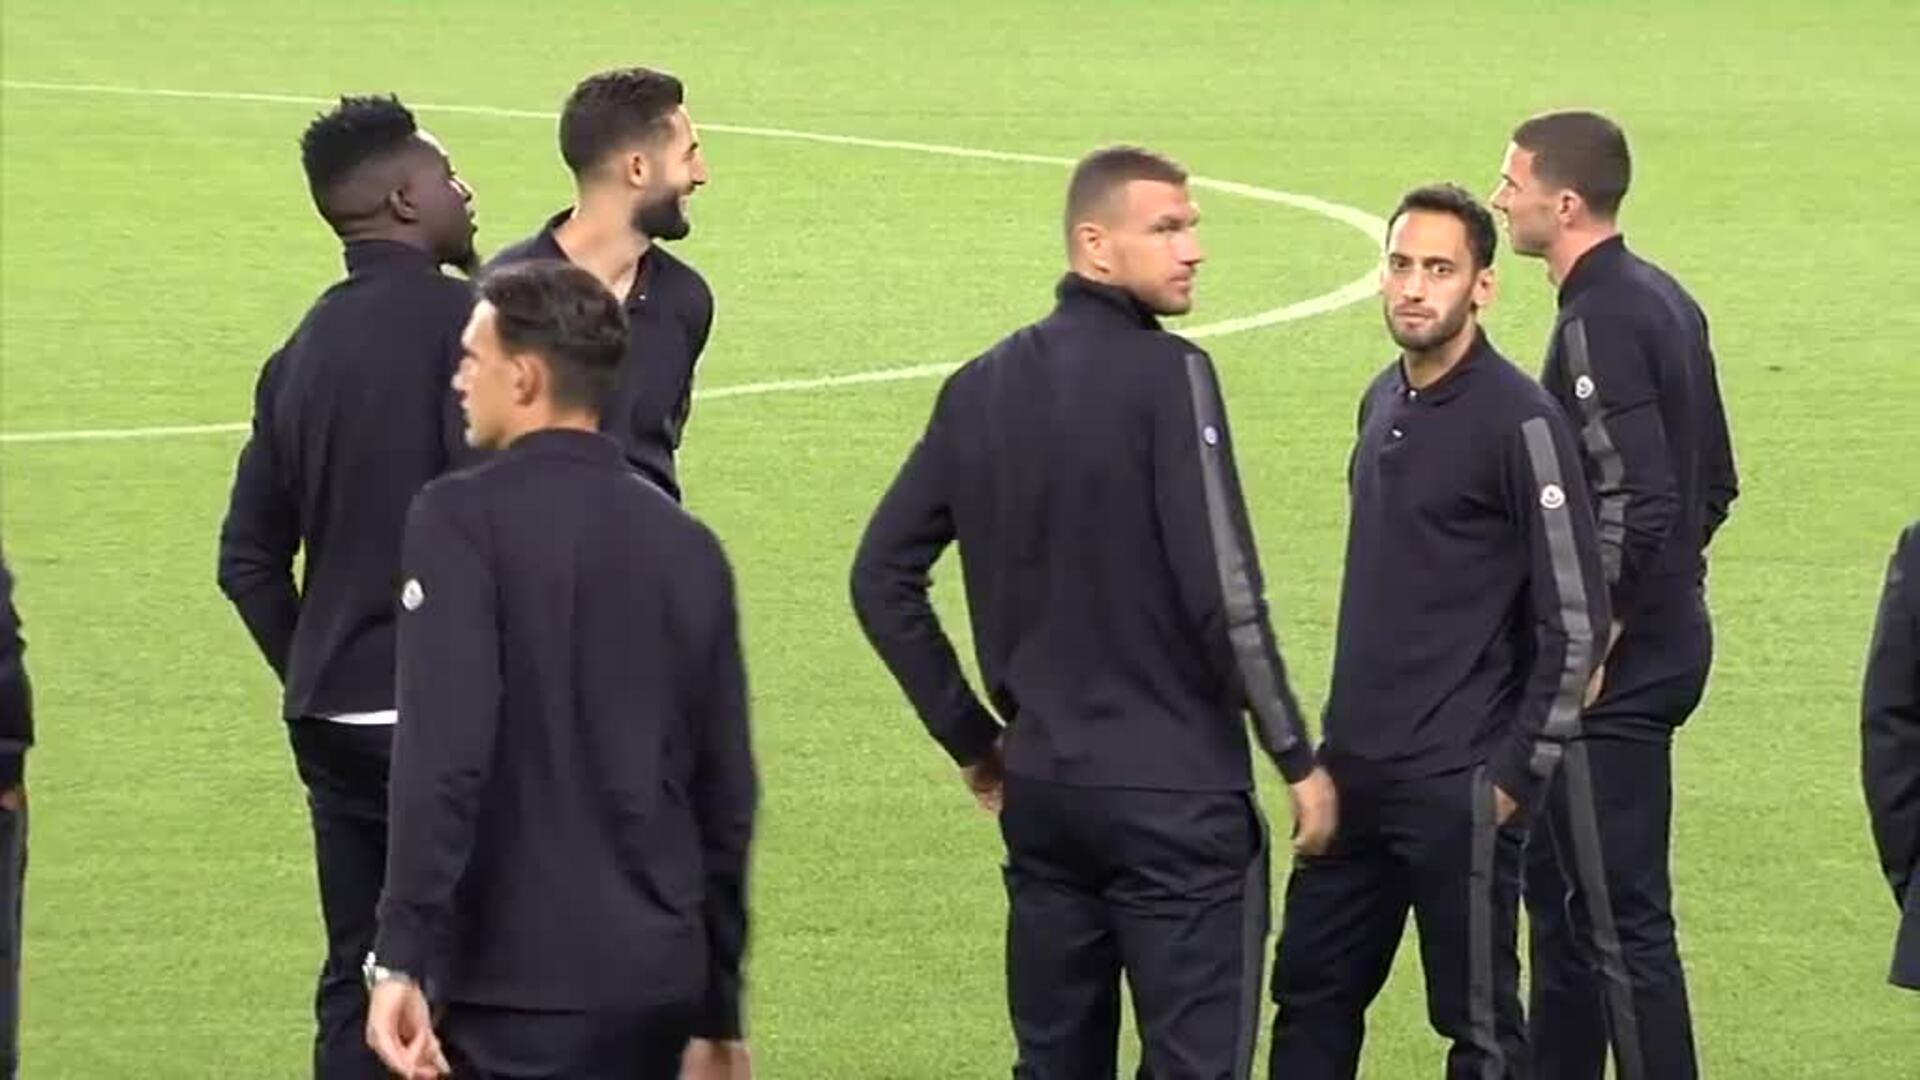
x=1486 y=288
x=1569 y=206
x=1091 y=238
x=637 y=168
x=400 y=204
x=527 y=378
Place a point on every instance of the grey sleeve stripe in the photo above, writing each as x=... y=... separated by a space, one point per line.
x=1563 y=716
x=1273 y=722
x=1611 y=486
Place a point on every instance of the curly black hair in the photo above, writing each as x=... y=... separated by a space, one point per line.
x=358 y=130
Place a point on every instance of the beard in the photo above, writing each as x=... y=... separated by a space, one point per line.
x=1445 y=326
x=464 y=259
x=455 y=247
x=659 y=217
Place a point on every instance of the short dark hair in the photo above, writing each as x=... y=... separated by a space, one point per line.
x=1583 y=151
x=355 y=132
x=1457 y=202
x=1100 y=173
x=615 y=109
x=567 y=317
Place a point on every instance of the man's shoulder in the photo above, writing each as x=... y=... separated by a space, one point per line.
x=684 y=287
x=1520 y=396
x=1636 y=292
x=678 y=270
x=525 y=249
x=460 y=492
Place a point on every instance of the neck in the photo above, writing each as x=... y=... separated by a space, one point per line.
x=359 y=234
x=1572 y=244
x=1424 y=367
x=1098 y=277
x=549 y=417
x=599 y=237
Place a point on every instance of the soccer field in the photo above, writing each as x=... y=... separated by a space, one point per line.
x=154 y=248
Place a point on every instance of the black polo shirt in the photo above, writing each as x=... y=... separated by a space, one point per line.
x=669 y=314
x=1472 y=595
x=350 y=417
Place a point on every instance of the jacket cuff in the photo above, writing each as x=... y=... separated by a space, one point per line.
x=972 y=738
x=1296 y=762
x=1512 y=771
x=13 y=769
x=719 y=1019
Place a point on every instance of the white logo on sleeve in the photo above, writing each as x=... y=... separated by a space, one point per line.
x=412 y=595
x=1210 y=435
x=1583 y=387
x=1552 y=497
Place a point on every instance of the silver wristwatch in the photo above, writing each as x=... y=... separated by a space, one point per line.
x=375 y=974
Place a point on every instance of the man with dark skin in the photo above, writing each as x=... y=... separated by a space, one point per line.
x=351 y=416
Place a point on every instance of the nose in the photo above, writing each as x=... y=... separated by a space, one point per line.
x=1188 y=249
x=465 y=189
x=699 y=169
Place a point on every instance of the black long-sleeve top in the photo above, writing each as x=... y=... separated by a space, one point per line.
x=1086 y=469
x=1631 y=362
x=573 y=789
x=350 y=417
x=1890 y=719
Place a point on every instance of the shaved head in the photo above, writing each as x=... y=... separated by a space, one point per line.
x=1099 y=179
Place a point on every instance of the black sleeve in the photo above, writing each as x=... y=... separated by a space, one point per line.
x=1721 y=479
x=909 y=530
x=1636 y=489
x=16 y=693
x=1890 y=719
x=261 y=535
x=699 y=328
x=1209 y=539
x=725 y=797
x=449 y=699
x=1566 y=600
